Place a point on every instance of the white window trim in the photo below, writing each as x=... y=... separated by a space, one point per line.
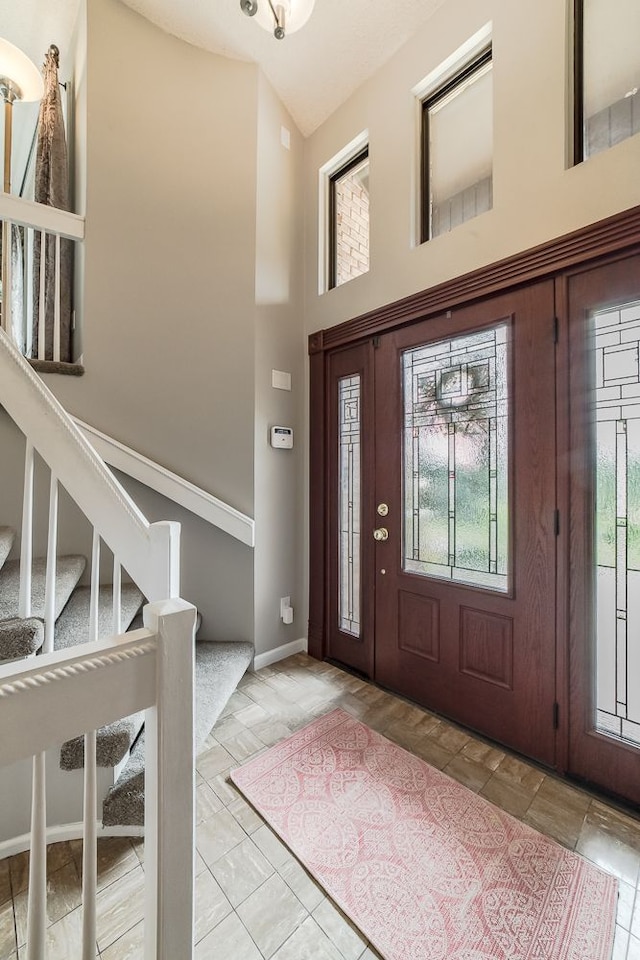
x=327 y=170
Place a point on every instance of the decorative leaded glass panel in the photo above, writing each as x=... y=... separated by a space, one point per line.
x=349 y=461
x=456 y=459
x=615 y=350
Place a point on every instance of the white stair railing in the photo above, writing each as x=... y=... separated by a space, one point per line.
x=32 y=228
x=55 y=697
x=151 y=670
x=148 y=552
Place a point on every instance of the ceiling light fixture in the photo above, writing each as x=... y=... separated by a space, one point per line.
x=281 y=17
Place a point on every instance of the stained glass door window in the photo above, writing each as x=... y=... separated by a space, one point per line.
x=349 y=498
x=456 y=459
x=615 y=358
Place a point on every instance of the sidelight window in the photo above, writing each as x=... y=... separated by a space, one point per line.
x=349 y=496
x=616 y=365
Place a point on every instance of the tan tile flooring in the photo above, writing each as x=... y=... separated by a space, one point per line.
x=253 y=899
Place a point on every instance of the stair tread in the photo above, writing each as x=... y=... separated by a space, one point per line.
x=219 y=667
x=113 y=742
x=124 y=803
x=20 y=638
x=69 y=569
x=7 y=536
x=73 y=624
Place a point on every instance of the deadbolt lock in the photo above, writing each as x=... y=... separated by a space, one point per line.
x=381 y=534
x=383 y=509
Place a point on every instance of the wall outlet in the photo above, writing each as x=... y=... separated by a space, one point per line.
x=285 y=603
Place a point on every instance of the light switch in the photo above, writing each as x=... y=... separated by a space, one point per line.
x=280 y=380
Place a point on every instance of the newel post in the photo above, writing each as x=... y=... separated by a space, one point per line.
x=164 y=559
x=170 y=785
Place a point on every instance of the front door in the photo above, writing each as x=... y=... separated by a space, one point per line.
x=604 y=543
x=443 y=527
x=465 y=563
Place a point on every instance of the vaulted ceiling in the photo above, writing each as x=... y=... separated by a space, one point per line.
x=313 y=71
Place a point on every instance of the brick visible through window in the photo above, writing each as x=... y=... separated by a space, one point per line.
x=349 y=220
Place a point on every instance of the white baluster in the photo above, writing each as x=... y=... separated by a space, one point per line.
x=28 y=273
x=89 y=850
x=6 y=258
x=89 y=845
x=26 y=539
x=117 y=596
x=42 y=355
x=50 y=582
x=7 y=299
x=56 y=304
x=94 y=606
x=37 y=898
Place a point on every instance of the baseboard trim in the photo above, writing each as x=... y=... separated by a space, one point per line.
x=280 y=653
x=66 y=831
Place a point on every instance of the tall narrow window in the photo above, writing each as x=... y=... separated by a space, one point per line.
x=616 y=367
x=607 y=68
x=349 y=220
x=349 y=504
x=457 y=148
x=456 y=459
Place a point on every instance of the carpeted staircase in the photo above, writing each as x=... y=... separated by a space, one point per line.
x=120 y=745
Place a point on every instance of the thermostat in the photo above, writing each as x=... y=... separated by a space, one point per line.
x=282 y=438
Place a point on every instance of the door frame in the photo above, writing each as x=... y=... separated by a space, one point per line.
x=605 y=240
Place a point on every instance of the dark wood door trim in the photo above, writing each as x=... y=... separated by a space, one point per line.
x=318 y=507
x=617 y=233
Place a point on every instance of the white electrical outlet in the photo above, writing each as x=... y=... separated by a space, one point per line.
x=285 y=603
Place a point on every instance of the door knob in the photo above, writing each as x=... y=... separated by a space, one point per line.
x=381 y=534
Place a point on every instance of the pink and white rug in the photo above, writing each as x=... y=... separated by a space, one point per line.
x=425 y=868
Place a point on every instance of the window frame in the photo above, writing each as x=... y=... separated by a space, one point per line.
x=578 y=82
x=345 y=168
x=467 y=70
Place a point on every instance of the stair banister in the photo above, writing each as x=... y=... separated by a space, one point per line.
x=148 y=552
x=150 y=669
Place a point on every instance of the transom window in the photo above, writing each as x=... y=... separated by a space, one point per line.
x=607 y=74
x=457 y=148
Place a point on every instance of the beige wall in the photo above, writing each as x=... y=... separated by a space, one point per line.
x=536 y=196
x=169 y=302
x=193 y=294
x=170 y=206
x=279 y=346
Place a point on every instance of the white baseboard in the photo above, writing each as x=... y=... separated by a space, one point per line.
x=66 y=831
x=280 y=653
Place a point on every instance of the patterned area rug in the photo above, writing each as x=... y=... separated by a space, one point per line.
x=425 y=868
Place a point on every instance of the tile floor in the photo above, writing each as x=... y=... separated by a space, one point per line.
x=253 y=899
